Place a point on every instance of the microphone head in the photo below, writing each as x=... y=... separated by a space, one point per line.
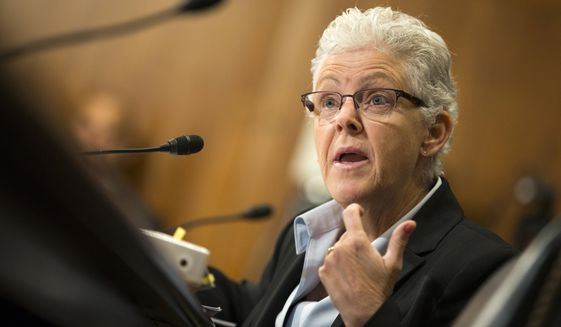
x=186 y=144
x=257 y=212
x=193 y=5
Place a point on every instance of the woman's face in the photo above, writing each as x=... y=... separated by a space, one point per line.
x=364 y=160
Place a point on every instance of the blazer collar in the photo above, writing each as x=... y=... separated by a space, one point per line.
x=434 y=220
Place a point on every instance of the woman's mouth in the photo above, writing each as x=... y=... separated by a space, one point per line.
x=350 y=158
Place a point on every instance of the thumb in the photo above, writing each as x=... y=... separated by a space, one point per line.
x=352 y=218
x=400 y=236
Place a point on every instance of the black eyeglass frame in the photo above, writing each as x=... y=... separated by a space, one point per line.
x=398 y=93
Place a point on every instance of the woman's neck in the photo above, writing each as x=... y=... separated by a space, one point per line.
x=382 y=213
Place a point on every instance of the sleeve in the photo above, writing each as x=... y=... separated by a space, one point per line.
x=234 y=298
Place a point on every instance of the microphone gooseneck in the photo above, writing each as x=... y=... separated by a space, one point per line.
x=182 y=145
x=253 y=213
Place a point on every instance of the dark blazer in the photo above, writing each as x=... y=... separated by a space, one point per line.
x=446 y=260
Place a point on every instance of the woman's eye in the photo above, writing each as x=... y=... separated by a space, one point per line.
x=378 y=100
x=330 y=103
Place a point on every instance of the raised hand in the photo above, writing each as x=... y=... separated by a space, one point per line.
x=356 y=277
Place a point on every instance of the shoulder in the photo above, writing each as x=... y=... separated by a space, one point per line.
x=444 y=231
x=468 y=255
x=449 y=274
x=470 y=240
x=468 y=246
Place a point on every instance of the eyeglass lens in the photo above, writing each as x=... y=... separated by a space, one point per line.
x=370 y=102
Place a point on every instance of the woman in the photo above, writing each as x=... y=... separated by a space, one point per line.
x=393 y=246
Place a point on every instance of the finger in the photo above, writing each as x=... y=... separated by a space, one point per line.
x=352 y=218
x=342 y=237
x=398 y=242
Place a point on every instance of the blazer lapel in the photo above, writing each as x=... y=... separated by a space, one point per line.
x=269 y=307
x=434 y=220
x=410 y=262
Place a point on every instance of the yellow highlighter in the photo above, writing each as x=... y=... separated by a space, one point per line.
x=179 y=233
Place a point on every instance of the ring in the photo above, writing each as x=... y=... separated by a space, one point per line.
x=330 y=249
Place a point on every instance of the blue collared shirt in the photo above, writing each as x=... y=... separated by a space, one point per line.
x=314 y=232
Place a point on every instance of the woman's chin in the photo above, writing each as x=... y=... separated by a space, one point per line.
x=347 y=195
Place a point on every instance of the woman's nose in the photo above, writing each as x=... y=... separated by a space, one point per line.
x=348 y=117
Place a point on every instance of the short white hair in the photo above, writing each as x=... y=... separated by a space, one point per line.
x=423 y=53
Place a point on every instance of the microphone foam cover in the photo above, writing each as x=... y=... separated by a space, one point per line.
x=193 y=5
x=257 y=212
x=186 y=144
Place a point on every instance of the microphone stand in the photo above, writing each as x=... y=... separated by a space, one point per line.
x=114 y=151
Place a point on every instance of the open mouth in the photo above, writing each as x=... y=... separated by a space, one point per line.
x=351 y=157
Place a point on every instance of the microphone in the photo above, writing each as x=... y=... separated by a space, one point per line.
x=104 y=31
x=254 y=213
x=182 y=145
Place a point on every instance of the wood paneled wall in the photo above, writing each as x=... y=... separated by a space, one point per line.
x=233 y=75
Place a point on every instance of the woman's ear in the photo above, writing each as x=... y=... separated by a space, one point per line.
x=438 y=134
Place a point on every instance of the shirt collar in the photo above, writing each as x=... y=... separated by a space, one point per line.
x=316 y=222
x=328 y=216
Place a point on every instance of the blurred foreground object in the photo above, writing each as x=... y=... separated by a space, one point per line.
x=537 y=199
x=72 y=254
x=524 y=292
x=104 y=31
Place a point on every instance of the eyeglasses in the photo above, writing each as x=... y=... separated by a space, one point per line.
x=372 y=103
